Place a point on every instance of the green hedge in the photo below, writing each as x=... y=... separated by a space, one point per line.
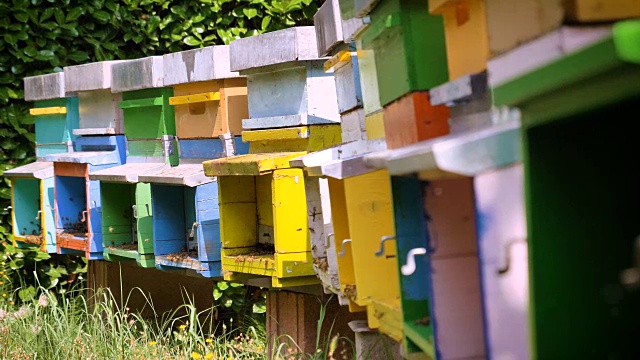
x=39 y=37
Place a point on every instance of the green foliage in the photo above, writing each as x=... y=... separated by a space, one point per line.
x=29 y=269
x=244 y=302
x=39 y=37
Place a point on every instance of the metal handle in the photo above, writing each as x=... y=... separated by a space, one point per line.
x=382 y=241
x=95 y=206
x=507 y=256
x=343 y=248
x=38 y=214
x=135 y=211
x=410 y=267
x=193 y=230
x=8 y=208
x=84 y=216
x=327 y=242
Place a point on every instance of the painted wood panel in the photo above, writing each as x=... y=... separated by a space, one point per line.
x=99 y=113
x=397 y=37
x=208 y=219
x=412 y=119
x=147 y=113
x=291 y=226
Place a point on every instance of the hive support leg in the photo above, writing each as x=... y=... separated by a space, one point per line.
x=372 y=345
x=293 y=318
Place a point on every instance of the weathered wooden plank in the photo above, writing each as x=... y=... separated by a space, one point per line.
x=287 y=45
x=137 y=74
x=88 y=77
x=204 y=64
x=328 y=27
x=36 y=170
x=264 y=202
x=320 y=137
x=185 y=174
x=128 y=173
x=353 y=125
x=43 y=87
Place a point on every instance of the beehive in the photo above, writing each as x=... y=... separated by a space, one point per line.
x=98 y=107
x=566 y=99
x=184 y=203
x=77 y=198
x=209 y=99
x=56 y=115
x=145 y=105
x=32 y=205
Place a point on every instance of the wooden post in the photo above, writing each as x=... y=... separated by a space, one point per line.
x=293 y=318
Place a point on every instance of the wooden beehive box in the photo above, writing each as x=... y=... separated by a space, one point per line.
x=209 y=99
x=184 y=202
x=568 y=129
x=32 y=205
x=477 y=30
x=437 y=241
x=77 y=198
x=127 y=232
x=316 y=166
x=56 y=115
x=403 y=37
x=286 y=60
x=98 y=106
x=145 y=104
x=264 y=227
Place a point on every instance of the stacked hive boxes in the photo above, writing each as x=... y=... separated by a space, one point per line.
x=391 y=171
x=32 y=185
x=210 y=102
x=266 y=223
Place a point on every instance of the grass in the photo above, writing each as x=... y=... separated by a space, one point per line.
x=75 y=326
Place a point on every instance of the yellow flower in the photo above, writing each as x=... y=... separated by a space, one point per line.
x=182 y=327
x=195 y=355
x=4 y=295
x=209 y=341
x=1 y=283
x=151 y=343
x=209 y=356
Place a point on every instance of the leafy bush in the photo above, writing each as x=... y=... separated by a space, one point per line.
x=44 y=36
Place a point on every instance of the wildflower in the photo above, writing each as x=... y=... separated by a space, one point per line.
x=195 y=355
x=3 y=314
x=151 y=343
x=4 y=295
x=209 y=356
x=209 y=340
x=182 y=327
x=43 y=300
x=21 y=313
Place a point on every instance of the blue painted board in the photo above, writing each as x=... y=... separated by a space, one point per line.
x=116 y=143
x=209 y=148
x=26 y=196
x=168 y=219
x=208 y=218
x=95 y=204
x=43 y=150
x=48 y=213
x=411 y=232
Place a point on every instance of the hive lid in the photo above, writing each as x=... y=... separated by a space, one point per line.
x=184 y=174
x=44 y=87
x=137 y=74
x=328 y=26
x=249 y=164
x=205 y=64
x=282 y=46
x=464 y=154
x=87 y=77
x=329 y=158
x=127 y=173
x=86 y=157
x=35 y=170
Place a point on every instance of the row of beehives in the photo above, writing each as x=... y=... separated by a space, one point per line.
x=399 y=74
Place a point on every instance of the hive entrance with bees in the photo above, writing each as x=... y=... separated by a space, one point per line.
x=72 y=218
x=27 y=218
x=127 y=223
